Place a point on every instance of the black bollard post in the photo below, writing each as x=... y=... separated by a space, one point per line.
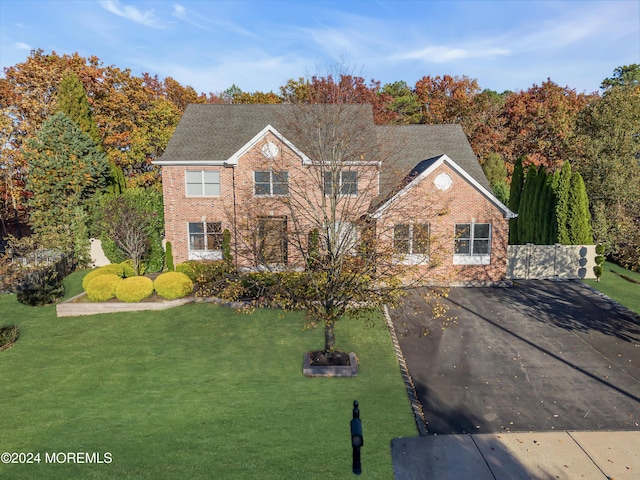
x=356 y=438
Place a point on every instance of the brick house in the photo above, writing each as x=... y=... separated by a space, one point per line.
x=251 y=169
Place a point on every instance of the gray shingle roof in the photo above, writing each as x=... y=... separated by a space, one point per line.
x=217 y=132
x=422 y=142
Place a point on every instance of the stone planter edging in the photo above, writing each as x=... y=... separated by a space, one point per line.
x=70 y=308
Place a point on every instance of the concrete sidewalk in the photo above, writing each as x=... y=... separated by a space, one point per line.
x=566 y=455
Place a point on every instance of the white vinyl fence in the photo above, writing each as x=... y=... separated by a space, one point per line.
x=561 y=262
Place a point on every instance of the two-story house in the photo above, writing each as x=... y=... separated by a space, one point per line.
x=268 y=172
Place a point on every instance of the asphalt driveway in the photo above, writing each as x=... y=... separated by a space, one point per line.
x=538 y=356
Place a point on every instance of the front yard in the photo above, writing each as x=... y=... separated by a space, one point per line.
x=620 y=284
x=199 y=391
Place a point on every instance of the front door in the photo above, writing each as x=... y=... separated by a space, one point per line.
x=272 y=240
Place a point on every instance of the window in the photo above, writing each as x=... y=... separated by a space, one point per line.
x=346 y=180
x=411 y=239
x=271 y=183
x=472 y=243
x=203 y=183
x=205 y=236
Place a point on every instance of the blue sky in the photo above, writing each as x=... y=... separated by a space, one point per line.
x=259 y=45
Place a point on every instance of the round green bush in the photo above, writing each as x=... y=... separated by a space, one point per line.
x=112 y=269
x=134 y=289
x=171 y=285
x=188 y=268
x=127 y=269
x=103 y=287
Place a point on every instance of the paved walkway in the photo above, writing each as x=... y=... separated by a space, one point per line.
x=514 y=456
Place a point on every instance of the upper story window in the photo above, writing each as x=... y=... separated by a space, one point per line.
x=271 y=183
x=411 y=239
x=202 y=183
x=345 y=180
x=472 y=243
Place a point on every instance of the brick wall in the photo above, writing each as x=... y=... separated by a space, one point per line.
x=461 y=203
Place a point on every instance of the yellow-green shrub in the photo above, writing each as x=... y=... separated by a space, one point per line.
x=172 y=285
x=134 y=289
x=114 y=268
x=103 y=287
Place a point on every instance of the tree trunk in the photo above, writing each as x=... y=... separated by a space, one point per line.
x=329 y=338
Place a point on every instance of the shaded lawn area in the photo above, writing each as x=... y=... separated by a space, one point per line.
x=198 y=391
x=615 y=286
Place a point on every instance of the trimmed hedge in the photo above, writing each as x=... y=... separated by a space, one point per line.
x=134 y=289
x=112 y=269
x=103 y=287
x=172 y=285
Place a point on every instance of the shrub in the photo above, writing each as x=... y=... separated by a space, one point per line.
x=128 y=270
x=168 y=258
x=188 y=268
x=40 y=287
x=134 y=289
x=8 y=336
x=103 y=287
x=171 y=285
x=112 y=269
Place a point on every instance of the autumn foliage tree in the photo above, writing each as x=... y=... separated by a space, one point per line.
x=540 y=121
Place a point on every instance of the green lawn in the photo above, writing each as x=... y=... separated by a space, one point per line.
x=198 y=391
x=623 y=291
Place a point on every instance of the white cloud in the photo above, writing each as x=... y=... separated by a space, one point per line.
x=445 y=54
x=23 y=46
x=129 y=12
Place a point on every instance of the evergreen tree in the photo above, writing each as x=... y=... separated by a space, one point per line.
x=515 y=194
x=65 y=169
x=526 y=221
x=539 y=217
x=579 y=218
x=562 y=204
x=496 y=173
x=73 y=102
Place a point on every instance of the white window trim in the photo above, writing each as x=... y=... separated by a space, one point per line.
x=202 y=184
x=473 y=258
x=341 y=184
x=202 y=254
x=271 y=182
x=411 y=258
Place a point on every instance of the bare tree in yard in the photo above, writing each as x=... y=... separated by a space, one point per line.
x=318 y=197
x=128 y=226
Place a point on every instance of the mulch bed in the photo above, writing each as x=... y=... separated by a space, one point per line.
x=324 y=359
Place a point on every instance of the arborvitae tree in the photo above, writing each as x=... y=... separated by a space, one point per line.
x=562 y=204
x=65 y=169
x=539 y=217
x=550 y=210
x=526 y=222
x=515 y=194
x=579 y=218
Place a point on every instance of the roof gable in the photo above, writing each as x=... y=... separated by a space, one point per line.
x=422 y=170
